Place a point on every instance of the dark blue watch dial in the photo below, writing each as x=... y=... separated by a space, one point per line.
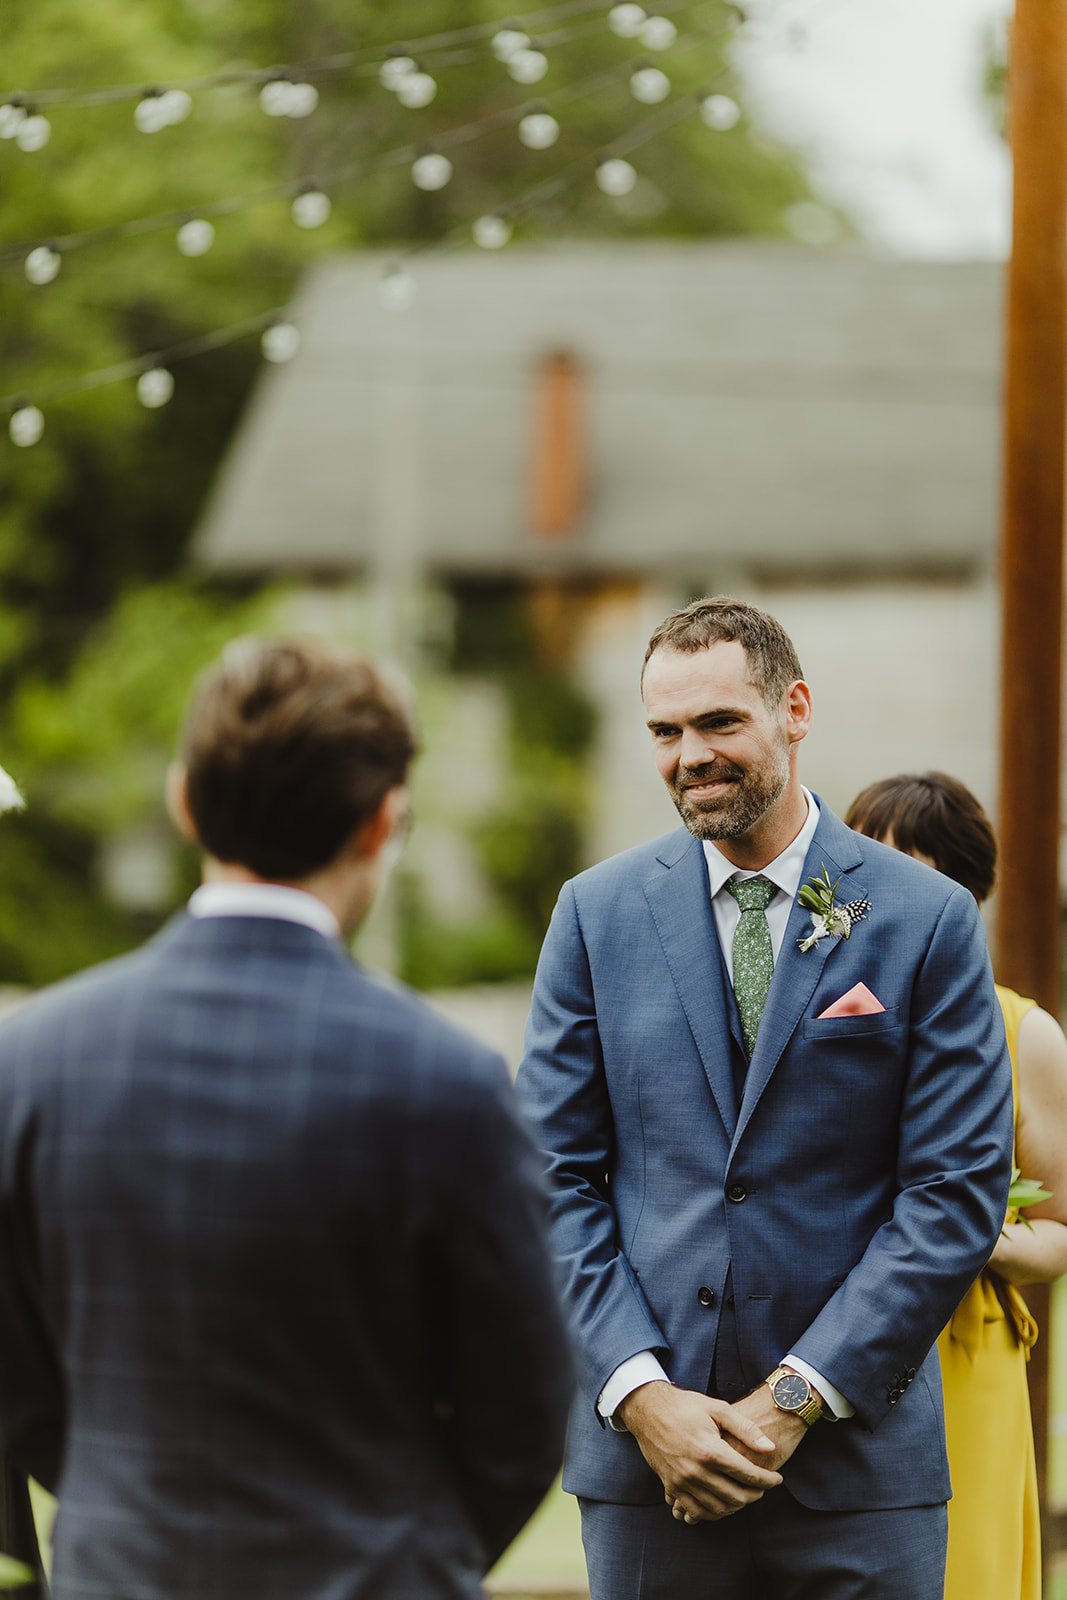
x=791 y=1391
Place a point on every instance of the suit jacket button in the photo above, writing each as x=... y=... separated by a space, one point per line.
x=736 y=1192
x=911 y=1374
x=894 y=1396
x=706 y=1296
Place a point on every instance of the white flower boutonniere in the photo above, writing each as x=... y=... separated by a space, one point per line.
x=827 y=917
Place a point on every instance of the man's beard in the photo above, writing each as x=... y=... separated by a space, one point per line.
x=752 y=793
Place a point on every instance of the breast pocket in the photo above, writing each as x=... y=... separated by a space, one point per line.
x=827 y=1029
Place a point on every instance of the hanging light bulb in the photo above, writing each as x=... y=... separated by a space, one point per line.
x=397 y=289
x=33 y=132
x=492 y=231
x=415 y=90
x=303 y=99
x=310 y=209
x=42 y=264
x=149 y=114
x=155 y=387
x=431 y=171
x=280 y=342
x=176 y=106
x=649 y=85
x=11 y=118
x=274 y=97
x=657 y=33
x=626 y=19
x=539 y=130
x=26 y=426
x=196 y=237
x=528 y=66
x=615 y=177
x=507 y=42
x=393 y=68
x=720 y=112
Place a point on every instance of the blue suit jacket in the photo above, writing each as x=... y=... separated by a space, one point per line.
x=277 y=1314
x=870 y=1156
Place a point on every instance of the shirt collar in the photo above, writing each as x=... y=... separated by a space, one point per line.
x=784 y=871
x=264 y=900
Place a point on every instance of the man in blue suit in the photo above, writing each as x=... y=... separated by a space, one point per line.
x=779 y=1138
x=277 y=1314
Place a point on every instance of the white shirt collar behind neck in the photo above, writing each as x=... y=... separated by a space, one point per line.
x=784 y=871
x=264 y=900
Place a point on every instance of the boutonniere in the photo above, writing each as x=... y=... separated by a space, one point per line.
x=827 y=917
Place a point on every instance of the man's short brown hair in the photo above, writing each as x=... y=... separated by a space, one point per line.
x=289 y=746
x=936 y=816
x=719 y=619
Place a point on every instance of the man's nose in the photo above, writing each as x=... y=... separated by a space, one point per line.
x=697 y=748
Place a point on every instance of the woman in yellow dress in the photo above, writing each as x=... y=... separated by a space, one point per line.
x=994 y=1540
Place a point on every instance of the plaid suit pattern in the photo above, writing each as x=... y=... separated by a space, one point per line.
x=279 y=1233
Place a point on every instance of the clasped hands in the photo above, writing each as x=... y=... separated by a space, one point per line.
x=712 y=1458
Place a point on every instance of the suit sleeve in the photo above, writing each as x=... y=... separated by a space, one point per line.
x=953 y=1172
x=504 y=1370
x=564 y=1093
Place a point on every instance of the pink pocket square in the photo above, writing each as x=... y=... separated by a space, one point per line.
x=858 y=1002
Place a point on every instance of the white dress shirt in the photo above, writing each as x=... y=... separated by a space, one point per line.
x=264 y=900
x=784 y=872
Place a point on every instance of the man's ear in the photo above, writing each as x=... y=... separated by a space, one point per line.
x=375 y=831
x=177 y=796
x=797 y=706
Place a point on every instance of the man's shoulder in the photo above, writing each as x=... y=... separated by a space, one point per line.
x=922 y=885
x=637 y=864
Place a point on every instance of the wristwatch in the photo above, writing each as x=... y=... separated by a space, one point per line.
x=790 y=1392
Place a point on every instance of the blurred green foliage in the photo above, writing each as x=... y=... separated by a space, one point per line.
x=98 y=636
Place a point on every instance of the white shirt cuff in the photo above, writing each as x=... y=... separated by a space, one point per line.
x=630 y=1375
x=835 y=1400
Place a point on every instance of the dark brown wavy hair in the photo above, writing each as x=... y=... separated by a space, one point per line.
x=933 y=815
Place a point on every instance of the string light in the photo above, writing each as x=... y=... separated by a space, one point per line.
x=657 y=33
x=508 y=42
x=281 y=97
x=11 y=116
x=539 y=130
x=281 y=342
x=528 y=66
x=615 y=177
x=43 y=264
x=397 y=289
x=649 y=85
x=310 y=209
x=155 y=387
x=491 y=232
x=33 y=132
x=26 y=426
x=195 y=237
x=720 y=112
x=431 y=171
x=626 y=20
x=415 y=90
x=162 y=108
x=393 y=69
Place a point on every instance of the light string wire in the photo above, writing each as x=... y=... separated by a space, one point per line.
x=537 y=194
x=372 y=57
x=448 y=139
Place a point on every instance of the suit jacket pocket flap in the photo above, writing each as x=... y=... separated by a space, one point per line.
x=851 y=1027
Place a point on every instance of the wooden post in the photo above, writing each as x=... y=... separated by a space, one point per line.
x=1035 y=395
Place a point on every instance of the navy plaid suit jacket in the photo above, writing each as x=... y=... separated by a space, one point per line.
x=276 y=1314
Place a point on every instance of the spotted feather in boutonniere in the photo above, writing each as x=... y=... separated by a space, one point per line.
x=828 y=919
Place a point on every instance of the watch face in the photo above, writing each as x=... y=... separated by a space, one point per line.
x=791 y=1391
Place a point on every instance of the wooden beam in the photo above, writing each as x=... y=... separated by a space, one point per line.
x=1035 y=404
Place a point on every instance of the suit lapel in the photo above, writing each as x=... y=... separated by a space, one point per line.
x=680 y=904
x=797 y=972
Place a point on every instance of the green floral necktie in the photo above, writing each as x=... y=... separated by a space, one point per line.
x=753 y=952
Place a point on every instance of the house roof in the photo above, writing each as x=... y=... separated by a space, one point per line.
x=762 y=405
